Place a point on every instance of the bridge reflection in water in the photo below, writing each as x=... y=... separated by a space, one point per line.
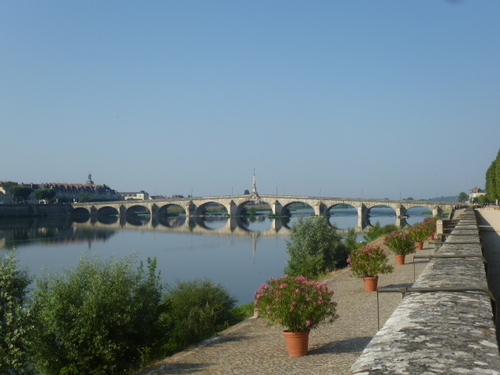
x=208 y=225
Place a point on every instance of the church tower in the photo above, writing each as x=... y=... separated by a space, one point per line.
x=255 y=195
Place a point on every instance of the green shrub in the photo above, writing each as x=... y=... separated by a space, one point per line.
x=197 y=310
x=314 y=247
x=99 y=318
x=378 y=231
x=14 y=323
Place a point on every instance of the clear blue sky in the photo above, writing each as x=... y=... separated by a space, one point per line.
x=373 y=99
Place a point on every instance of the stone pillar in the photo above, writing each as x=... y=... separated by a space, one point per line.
x=437 y=211
x=362 y=216
x=231 y=208
x=190 y=209
x=276 y=207
x=319 y=209
x=154 y=209
x=400 y=216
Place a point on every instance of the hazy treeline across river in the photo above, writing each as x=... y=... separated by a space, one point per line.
x=239 y=262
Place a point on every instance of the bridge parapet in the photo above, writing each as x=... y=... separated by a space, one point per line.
x=445 y=322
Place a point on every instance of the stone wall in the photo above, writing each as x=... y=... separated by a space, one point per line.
x=449 y=331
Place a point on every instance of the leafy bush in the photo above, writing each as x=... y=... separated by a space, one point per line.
x=100 y=318
x=314 y=247
x=378 y=231
x=197 y=309
x=14 y=323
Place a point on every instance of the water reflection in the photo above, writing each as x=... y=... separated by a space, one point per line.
x=239 y=253
x=21 y=231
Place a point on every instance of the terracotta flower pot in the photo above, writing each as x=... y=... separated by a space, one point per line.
x=400 y=259
x=370 y=283
x=297 y=343
x=420 y=245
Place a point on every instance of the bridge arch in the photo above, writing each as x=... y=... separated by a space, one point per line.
x=296 y=206
x=345 y=210
x=413 y=212
x=171 y=209
x=137 y=209
x=204 y=208
x=107 y=211
x=385 y=214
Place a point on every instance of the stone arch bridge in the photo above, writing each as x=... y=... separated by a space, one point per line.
x=235 y=205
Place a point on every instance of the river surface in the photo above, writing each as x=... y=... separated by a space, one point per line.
x=240 y=261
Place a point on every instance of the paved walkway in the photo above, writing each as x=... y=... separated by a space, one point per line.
x=252 y=348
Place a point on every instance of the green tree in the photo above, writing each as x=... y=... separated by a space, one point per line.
x=497 y=176
x=46 y=194
x=100 y=318
x=314 y=247
x=351 y=240
x=378 y=231
x=21 y=193
x=14 y=319
x=197 y=309
x=493 y=180
x=463 y=197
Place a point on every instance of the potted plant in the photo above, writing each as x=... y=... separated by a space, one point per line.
x=419 y=233
x=298 y=305
x=368 y=262
x=401 y=243
x=431 y=224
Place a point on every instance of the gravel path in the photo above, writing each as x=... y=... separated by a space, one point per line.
x=252 y=348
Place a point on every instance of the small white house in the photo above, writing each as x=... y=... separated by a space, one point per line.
x=139 y=195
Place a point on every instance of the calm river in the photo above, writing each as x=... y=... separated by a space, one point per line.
x=241 y=262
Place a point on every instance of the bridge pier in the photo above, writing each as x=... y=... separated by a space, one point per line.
x=362 y=216
x=436 y=212
x=232 y=208
x=320 y=209
x=400 y=216
x=276 y=207
x=190 y=209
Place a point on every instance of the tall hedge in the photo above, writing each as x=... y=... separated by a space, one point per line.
x=493 y=180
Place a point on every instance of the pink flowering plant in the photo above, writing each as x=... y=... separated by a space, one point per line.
x=430 y=223
x=419 y=232
x=295 y=303
x=369 y=261
x=400 y=242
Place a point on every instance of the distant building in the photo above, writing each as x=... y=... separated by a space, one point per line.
x=75 y=192
x=476 y=193
x=5 y=196
x=67 y=192
x=140 y=195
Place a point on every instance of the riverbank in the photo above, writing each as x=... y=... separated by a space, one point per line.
x=252 y=348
